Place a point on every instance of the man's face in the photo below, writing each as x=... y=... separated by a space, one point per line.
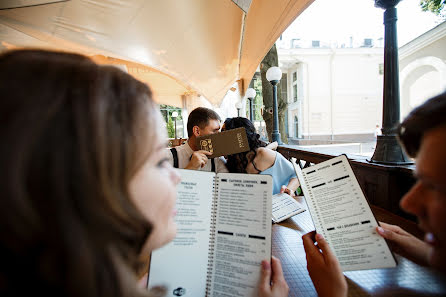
x=427 y=198
x=212 y=127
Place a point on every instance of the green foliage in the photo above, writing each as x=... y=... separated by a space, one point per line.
x=258 y=100
x=435 y=6
x=166 y=111
x=271 y=59
x=170 y=129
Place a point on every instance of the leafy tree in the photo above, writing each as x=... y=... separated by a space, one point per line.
x=166 y=111
x=258 y=100
x=435 y=6
x=271 y=59
x=170 y=129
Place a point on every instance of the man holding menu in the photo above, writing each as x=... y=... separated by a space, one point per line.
x=201 y=122
x=423 y=134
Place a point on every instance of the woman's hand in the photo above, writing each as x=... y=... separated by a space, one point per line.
x=405 y=244
x=291 y=188
x=323 y=267
x=272 y=282
x=286 y=190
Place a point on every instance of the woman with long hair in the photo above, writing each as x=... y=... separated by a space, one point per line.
x=260 y=159
x=87 y=192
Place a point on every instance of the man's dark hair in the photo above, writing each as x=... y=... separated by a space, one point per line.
x=425 y=117
x=200 y=117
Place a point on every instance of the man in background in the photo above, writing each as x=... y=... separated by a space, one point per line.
x=201 y=122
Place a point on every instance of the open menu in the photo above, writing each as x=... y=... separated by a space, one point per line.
x=284 y=207
x=342 y=214
x=223 y=234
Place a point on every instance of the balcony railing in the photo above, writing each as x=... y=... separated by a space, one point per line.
x=383 y=185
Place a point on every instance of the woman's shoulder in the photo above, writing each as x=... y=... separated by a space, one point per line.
x=266 y=154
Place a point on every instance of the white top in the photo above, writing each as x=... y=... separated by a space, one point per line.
x=185 y=152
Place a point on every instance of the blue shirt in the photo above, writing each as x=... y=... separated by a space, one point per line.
x=281 y=171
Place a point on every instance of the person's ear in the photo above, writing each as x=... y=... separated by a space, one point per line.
x=196 y=131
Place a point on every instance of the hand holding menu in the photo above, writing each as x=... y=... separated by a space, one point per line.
x=223 y=234
x=343 y=216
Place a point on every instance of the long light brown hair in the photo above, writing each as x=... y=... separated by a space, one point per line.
x=73 y=134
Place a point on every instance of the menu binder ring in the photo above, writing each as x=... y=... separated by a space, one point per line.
x=212 y=236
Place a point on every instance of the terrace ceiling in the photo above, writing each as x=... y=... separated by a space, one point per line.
x=180 y=48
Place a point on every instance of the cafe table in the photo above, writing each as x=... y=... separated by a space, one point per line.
x=407 y=279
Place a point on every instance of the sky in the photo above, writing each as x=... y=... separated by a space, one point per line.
x=337 y=20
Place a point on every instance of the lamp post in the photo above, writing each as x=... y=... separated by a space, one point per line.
x=273 y=75
x=238 y=105
x=251 y=94
x=388 y=150
x=174 y=116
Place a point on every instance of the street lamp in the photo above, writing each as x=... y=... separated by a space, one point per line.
x=251 y=94
x=273 y=75
x=388 y=150
x=238 y=105
x=174 y=116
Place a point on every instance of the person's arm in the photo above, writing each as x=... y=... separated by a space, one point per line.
x=291 y=188
x=323 y=267
x=405 y=244
x=272 y=283
x=198 y=160
x=272 y=146
x=289 y=176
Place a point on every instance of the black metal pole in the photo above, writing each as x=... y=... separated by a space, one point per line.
x=388 y=150
x=276 y=133
x=238 y=112
x=250 y=109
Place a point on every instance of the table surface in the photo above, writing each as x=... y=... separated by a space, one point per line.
x=407 y=279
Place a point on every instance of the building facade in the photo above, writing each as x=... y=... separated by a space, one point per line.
x=333 y=93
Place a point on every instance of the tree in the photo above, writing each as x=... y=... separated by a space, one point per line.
x=256 y=84
x=271 y=59
x=170 y=128
x=435 y=6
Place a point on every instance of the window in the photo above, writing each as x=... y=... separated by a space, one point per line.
x=381 y=69
x=296 y=127
x=295 y=86
x=284 y=87
x=295 y=92
x=368 y=42
x=315 y=43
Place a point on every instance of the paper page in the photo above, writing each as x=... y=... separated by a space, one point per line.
x=343 y=216
x=181 y=265
x=284 y=207
x=242 y=234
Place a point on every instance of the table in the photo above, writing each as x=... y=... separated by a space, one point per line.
x=407 y=279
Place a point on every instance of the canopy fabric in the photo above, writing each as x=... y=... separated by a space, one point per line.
x=183 y=49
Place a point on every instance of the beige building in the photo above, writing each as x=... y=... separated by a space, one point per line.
x=335 y=93
x=422 y=68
